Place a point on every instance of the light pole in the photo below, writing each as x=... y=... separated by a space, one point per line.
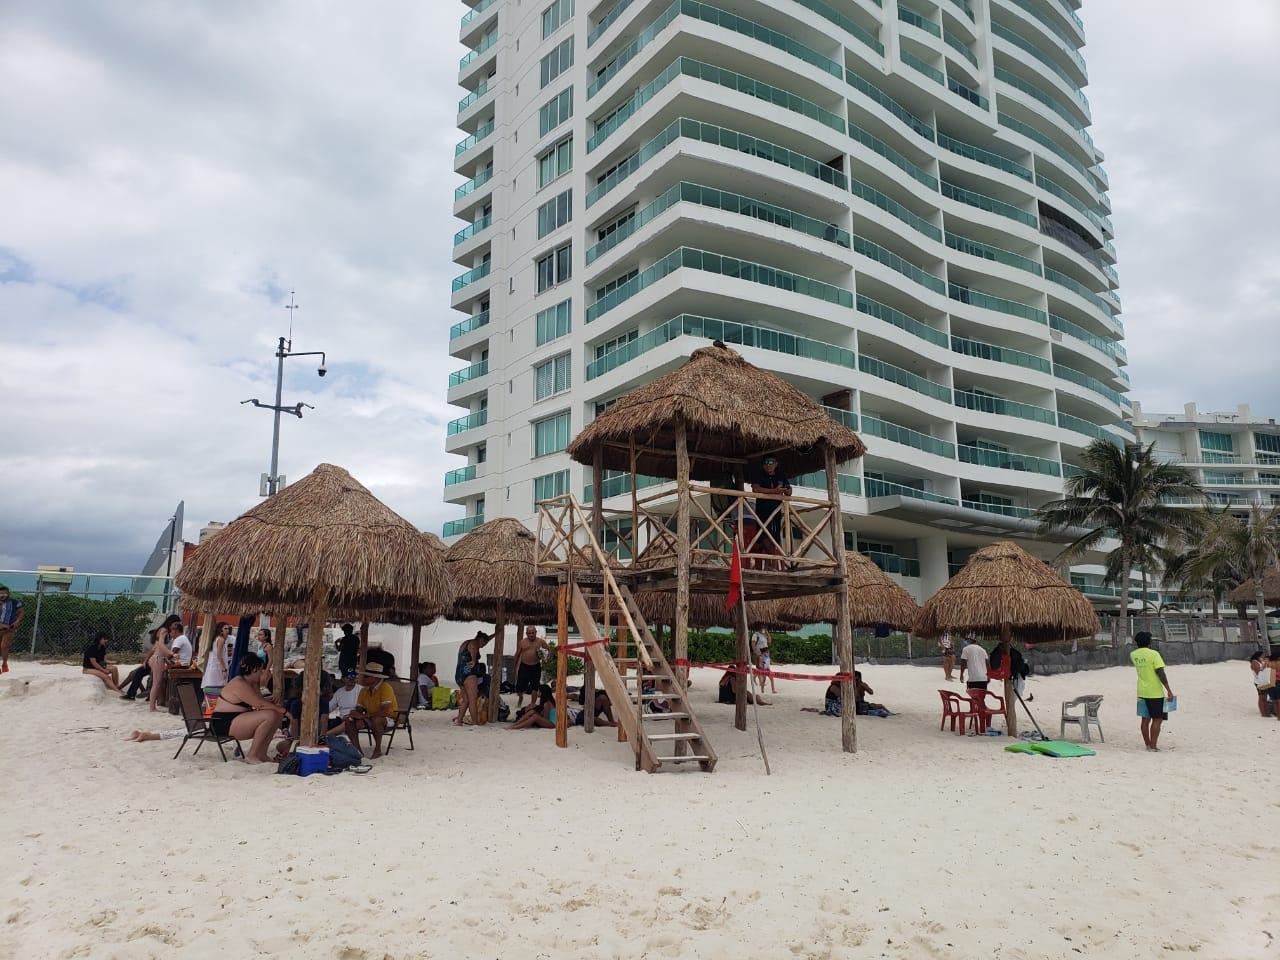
x=284 y=349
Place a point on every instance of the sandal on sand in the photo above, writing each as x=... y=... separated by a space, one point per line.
x=362 y=768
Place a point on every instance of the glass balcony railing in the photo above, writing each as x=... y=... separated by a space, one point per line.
x=898 y=159
x=461 y=475
x=1001 y=509
x=471 y=323
x=827 y=13
x=721 y=200
x=984 y=403
x=928 y=69
x=886 y=488
x=475 y=11
x=1026 y=46
x=904 y=378
x=474 y=96
x=989 y=351
x=968 y=93
x=471 y=276
x=739 y=83
x=989 y=204
x=995 y=254
x=1079 y=288
x=1077 y=425
x=1031 y=133
x=726 y=331
x=719 y=136
x=894 y=208
x=1089 y=383
x=456 y=527
x=1008 y=460
x=960 y=47
x=875 y=427
x=964 y=5
x=629 y=52
x=608 y=20
x=891 y=562
x=467 y=374
x=1066 y=44
x=916 y=20
x=620 y=484
x=474 y=139
x=870 y=90
x=1070 y=198
x=472 y=55
x=469 y=422
x=1071 y=470
x=479 y=180
x=469 y=231
x=845 y=482
x=918 y=328
x=688 y=257
x=985 y=300
x=1040 y=96
x=758 y=31
x=894 y=262
x=840 y=415
x=1110 y=347
x=984 y=156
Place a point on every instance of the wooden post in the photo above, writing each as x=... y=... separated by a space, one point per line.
x=844 y=632
x=415 y=651
x=311 y=670
x=562 y=666
x=495 y=678
x=364 y=645
x=682 y=554
x=743 y=658
x=589 y=668
x=278 y=627
x=621 y=654
x=208 y=635
x=1010 y=700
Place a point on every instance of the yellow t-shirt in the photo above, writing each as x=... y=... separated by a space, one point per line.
x=372 y=698
x=1148 y=662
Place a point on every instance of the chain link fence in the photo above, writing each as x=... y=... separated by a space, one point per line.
x=63 y=613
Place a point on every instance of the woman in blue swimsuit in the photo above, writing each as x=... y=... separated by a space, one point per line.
x=466 y=676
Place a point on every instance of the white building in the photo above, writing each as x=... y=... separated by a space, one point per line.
x=894 y=204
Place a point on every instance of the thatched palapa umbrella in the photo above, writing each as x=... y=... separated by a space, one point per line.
x=492 y=569
x=1247 y=592
x=873 y=599
x=324 y=547
x=714 y=412
x=1005 y=590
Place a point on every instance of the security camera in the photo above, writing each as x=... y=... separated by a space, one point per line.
x=322 y=371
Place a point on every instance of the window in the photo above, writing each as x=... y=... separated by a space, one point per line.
x=615 y=283
x=555 y=213
x=556 y=62
x=619 y=341
x=554 y=322
x=1216 y=447
x=482 y=453
x=556 y=267
x=551 y=435
x=603 y=405
x=551 y=485
x=605 y=232
x=556 y=14
x=556 y=162
x=551 y=377
x=555 y=112
x=1268 y=445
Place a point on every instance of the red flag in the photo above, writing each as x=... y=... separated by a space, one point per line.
x=735 y=579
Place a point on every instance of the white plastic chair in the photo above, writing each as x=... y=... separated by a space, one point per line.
x=1090 y=702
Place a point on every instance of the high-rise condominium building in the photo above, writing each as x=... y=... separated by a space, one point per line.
x=894 y=204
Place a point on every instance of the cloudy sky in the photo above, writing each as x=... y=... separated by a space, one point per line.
x=169 y=172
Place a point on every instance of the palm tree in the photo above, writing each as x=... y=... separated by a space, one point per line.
x=1122 y=493
x=1248 y=547
x=1203 y=567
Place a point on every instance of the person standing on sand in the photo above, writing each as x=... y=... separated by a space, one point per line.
x=1153 y=688
x=529 y=653
x=948 y=648
x=974 y=659
x=10 y=617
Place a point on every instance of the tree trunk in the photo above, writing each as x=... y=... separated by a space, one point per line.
x=1260 y=599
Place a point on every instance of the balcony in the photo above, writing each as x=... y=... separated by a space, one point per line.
x=1026 y=46
x=968 y=93
x=475 y=11
x=479 y=180
x=1008 y=460
x=618 y=485
x=960 y=47
x=461 y=475
x=894 y=262
x=964 y=6
x=471 y=56
x=923 y=23
x=726 y=331
x=999 y=304
x=895 y=209
x=985 y=157
x=874 y=93
x=1089 y=383
x=469 y=422
x=1031 y=133
x=845 y=482
x=1064 y=113
x=1077 y=425
x=474 y=139
x=1000 y=509
x=884 y=488
x=1112 y=348
x=1066 y=44
x=917 y=328
x=848 y=418
x=1078 y=288
x=989 y=351
x=467 y=374
x=995 y=254
x=875 y=427
x=897 y=158
x=473 y=97
x=892 y=563
x=984 y=403
x=989 y=204
x=472 y=275
x=455 y=528
x=904 y=378
x=466 y=233
x=471 y=323
x=922 y=66
x=607 y=21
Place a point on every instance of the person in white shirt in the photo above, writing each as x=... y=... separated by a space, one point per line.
x=179 y=645
x=215 y=670
x=760 y=641
x=345 y=697
x=973 y=658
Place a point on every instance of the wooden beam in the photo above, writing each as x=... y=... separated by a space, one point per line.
x=682 y=555
x=495 y=678
x=415 y=651
x=844 y=631
x=562 y=666
x=311 y=669
x=1010 y=699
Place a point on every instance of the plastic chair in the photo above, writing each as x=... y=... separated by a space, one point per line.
x=1090 y=702
x=957 y=708
x=985 y=712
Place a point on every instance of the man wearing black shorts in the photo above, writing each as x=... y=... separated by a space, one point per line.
x=1153 y=688
x=529 y=652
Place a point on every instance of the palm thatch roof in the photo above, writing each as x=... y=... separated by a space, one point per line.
x=1000 y=584
x=324 y=534
x=731 y=410
x=1247 y=592
x=873 y=599
x=708 y=610
x=493 y=562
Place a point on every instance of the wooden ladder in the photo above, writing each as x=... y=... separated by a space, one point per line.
x=648 y=701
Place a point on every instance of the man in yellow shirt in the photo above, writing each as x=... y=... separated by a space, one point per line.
x=1153 y=687
x=375 y=709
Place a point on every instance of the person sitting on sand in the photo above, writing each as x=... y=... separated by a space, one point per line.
x=376 y=709
x=244 y=713
x=728 y=692
x=833 y=700
x=862 y=706
x=540 y=714
x=604 y=710
x=97 y=665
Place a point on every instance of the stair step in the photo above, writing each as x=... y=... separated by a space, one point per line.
x=655 y=737
x=692 y=758
x=665 y=716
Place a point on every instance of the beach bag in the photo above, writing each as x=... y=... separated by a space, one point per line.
x=342 y=755
x=504 y=712
x=292 y=764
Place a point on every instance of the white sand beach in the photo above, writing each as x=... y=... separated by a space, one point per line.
x=487 y=843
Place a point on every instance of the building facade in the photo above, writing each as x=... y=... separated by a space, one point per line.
x=893 y=204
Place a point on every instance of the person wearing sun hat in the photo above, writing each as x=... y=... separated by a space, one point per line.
x=375 y=708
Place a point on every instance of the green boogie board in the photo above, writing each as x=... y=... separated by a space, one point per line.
x=1052 y=748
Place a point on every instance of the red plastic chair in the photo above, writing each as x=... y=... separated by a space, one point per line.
x=985 y=711
x=957 y=708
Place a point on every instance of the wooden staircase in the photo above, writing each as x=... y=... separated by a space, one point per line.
x=639 y=681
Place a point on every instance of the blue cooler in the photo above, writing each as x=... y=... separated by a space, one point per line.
x=312 y=760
